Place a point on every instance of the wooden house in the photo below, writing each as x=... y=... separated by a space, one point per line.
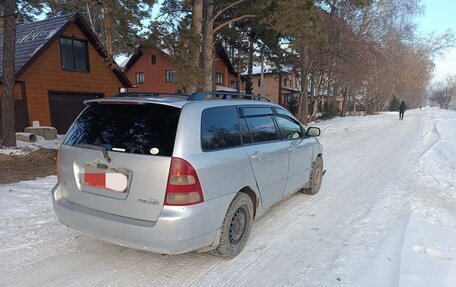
x=60 y=62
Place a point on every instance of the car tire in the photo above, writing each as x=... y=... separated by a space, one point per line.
x=316 y=176
x=236 y=226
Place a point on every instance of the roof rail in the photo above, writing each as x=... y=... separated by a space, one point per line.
x=223 y=95
x=148 y=94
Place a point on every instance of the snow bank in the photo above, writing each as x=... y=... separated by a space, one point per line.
x=24 y=148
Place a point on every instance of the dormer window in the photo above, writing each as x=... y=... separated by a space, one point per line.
x=74 y=55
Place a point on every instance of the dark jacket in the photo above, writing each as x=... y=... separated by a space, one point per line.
x=402 y=107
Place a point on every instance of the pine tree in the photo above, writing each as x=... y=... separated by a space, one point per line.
x=299 y=22
x=118 y=23
x=394 y=104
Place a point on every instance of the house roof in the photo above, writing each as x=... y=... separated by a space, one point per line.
x=131 y=60
x=32 y=39
x=256 y=70
x=139 y=51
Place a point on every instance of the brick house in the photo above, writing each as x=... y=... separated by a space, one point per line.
x=60 y=63
x=152 y=70
x=282 y=87
x=279 y=87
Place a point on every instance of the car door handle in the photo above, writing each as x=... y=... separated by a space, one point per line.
x=257 y=156
x=292 y=147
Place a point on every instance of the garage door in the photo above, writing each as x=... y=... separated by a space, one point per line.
x=65 y=107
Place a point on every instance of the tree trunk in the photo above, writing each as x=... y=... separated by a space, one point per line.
x=208 y=39
x=238 y=86
x=280 y=97
x=7 y=126
x=344 y=103
x=107 y=28
x=303 y=109
x=316 y=96
x=261 y=76
x=313 y=98
x=249 y=84
x=334 y=95
x=197 y=26
x=89 y=15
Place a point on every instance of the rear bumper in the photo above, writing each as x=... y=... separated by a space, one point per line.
x=179 y=229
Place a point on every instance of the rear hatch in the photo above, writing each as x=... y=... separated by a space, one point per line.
x=116 y=158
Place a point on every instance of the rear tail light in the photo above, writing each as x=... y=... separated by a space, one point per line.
x=58 y=165
x=183 y=184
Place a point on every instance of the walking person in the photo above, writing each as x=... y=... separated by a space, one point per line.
x=402 y=109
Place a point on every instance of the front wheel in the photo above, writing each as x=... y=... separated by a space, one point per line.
x=236 y=226
x=316 y=175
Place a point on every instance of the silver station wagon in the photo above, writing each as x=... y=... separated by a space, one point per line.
x=171 y=174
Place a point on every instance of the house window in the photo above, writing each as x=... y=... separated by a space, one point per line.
x=154 y=59
x=234 y=85
x=140 y=78
x=285 y=82
x=74 y=55
x=259 y=82
x=169 y=76
x=219 y=78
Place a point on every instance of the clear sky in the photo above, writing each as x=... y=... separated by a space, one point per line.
x=440 y=16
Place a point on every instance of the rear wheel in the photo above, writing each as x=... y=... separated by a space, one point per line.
x=316 y=175
x=236 y=226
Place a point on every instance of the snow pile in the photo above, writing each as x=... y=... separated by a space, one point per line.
x=24 y=148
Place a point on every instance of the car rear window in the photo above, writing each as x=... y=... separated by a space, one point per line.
x=148 y=129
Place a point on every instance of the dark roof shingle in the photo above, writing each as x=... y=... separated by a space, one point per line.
x=32 y=37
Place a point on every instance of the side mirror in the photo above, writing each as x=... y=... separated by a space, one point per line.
x=313 y=132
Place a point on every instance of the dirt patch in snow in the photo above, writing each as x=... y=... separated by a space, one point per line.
x=33 y=164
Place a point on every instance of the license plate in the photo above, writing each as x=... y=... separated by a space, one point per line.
x=109 y=180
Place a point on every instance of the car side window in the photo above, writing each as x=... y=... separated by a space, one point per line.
x=220 y=128
x=260 y=124
x=262 y=128
x=283 y=112
x=246 y=136
x=289 y=129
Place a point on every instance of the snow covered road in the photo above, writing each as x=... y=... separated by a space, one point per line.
x=385 y=216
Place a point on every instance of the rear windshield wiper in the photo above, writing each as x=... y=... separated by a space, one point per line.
x=96 y=147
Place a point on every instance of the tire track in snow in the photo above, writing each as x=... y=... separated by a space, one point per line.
x=260 y=250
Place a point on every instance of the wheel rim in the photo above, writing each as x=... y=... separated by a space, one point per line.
x=237 y=226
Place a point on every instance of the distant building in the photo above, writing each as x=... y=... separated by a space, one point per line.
x=60 y=63
x=279 y=86
x=283 y=87
x=152 y=70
